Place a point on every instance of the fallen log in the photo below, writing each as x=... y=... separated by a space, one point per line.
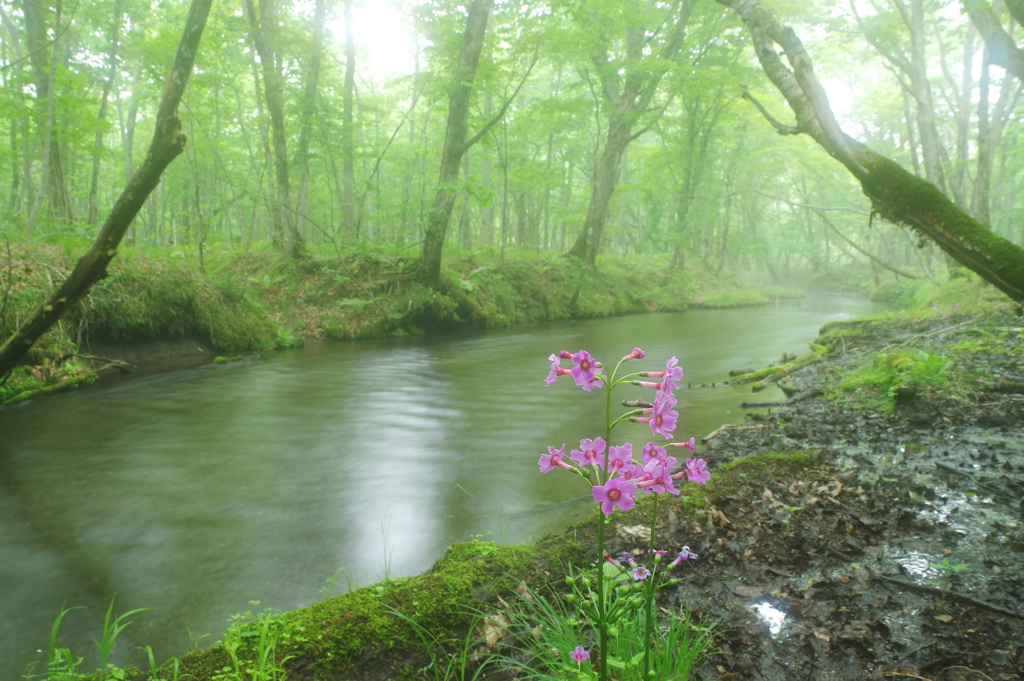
x=761 y=385
x=807 y=394
x=784 y=358
x=740 y=372
x=715 y=433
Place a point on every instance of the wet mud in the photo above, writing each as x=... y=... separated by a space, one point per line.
x=896 y=550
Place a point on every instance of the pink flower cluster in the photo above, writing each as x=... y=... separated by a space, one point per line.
x=586 y=371
x=627 y=561
x=661 y=415
x=619 y=476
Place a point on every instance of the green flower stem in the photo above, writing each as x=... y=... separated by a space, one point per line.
x=602 y=613
x=649 y=588
x=625 y=417
x=602 y=623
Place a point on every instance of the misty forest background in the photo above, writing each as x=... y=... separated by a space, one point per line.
x=311 y=135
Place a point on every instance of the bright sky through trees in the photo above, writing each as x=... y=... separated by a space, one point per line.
x=383 y=33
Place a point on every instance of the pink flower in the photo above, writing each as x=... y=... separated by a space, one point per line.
x=656 y=479
x=671 y=374
x=663 y=418
x=586 y=370
x=630 y=471
x=685 y=554
x=648 y=384
x=695 y=471
x=691 y=444
x=653 y=452
x=579 y=655
x=640 y=573
x=636 y=354
x=590 y=453
x=616 y=493
x=553 y=458
x=620 y=457
x=556 y=370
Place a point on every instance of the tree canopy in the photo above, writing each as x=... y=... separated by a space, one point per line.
x=596 y=127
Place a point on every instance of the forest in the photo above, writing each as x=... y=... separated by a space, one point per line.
x=185 y=181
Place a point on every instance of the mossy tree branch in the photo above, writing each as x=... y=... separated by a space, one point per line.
x=168 y=142
x=895 y=194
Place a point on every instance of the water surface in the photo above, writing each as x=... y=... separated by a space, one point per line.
x=198 y=491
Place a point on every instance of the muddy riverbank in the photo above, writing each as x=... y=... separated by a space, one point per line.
x=896 y=551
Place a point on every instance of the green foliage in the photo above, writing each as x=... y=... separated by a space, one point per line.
x=251 y=646
x=900 y=294
x=895 y=377
x=733 y=298
x=147 y=297
x=782 y=293
x=112 y=628
x=551 y=626
x=26 y=381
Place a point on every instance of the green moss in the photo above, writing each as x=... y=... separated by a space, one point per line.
x=730 y=299
x=334 y=637
x=757 y=377
x=900 y=294
x=27 y=382
x=891 y=378
x=787 y=461
x=901 y=197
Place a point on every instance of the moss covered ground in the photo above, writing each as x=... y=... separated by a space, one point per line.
x=379 y=631
x=236 y=302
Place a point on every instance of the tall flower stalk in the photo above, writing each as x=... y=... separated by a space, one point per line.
x=615 y=478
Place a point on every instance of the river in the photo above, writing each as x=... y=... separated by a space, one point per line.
x=196 y=492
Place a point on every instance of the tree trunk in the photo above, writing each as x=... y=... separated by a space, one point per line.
x=54 y=170
x=348 y=147
x=454 y=142
x=464 y=223
x=626 y=96
x=264 y=36
x=308 y=107
x=589 y=239
x=895 y=194
x=127 y=122
x=168 y=142
x=930 y=148
x=983 y=178
x=115 y=30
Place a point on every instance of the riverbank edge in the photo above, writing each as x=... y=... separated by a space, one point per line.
x=155 y=312
x=361 y=635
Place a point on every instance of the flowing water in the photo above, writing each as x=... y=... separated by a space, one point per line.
x=195 y=492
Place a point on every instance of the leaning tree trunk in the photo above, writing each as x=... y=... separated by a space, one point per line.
x=895 y=194
x=168 y=142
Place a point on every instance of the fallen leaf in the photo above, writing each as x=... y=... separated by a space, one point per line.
x=494 y=628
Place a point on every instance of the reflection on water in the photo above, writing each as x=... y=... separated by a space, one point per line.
x=773 y=618
x=195 y=492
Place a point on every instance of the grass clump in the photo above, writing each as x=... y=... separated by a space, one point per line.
x=895 y=378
